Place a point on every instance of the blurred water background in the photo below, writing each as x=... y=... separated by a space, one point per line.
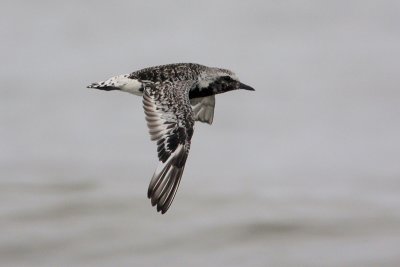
x=303 y=172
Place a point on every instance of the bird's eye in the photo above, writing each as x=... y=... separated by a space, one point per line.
x=227 y=78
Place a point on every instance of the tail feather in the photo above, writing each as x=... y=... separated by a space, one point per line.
x=93 y=85
x=120 y=82
x=102 y=86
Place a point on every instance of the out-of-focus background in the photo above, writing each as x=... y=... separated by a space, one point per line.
x=303 y=172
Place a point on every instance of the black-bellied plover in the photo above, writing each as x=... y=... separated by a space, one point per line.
x=174 y=97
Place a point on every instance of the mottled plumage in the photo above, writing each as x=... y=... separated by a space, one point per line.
x=174 y=96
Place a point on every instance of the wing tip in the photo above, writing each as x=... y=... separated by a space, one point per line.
x=166 y=179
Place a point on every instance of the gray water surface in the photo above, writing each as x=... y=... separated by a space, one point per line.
x=302 y=172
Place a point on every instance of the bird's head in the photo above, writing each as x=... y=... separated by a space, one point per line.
x=221 y=80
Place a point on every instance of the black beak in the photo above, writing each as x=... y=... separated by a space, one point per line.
x=245 y=87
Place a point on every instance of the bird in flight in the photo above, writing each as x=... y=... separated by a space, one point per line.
x=174 y=97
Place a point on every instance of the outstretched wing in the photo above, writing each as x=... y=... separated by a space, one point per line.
x=203 y=108
x=170 y=122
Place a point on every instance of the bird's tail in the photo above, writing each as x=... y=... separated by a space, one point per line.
x=120 y=82
x=107 y=85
